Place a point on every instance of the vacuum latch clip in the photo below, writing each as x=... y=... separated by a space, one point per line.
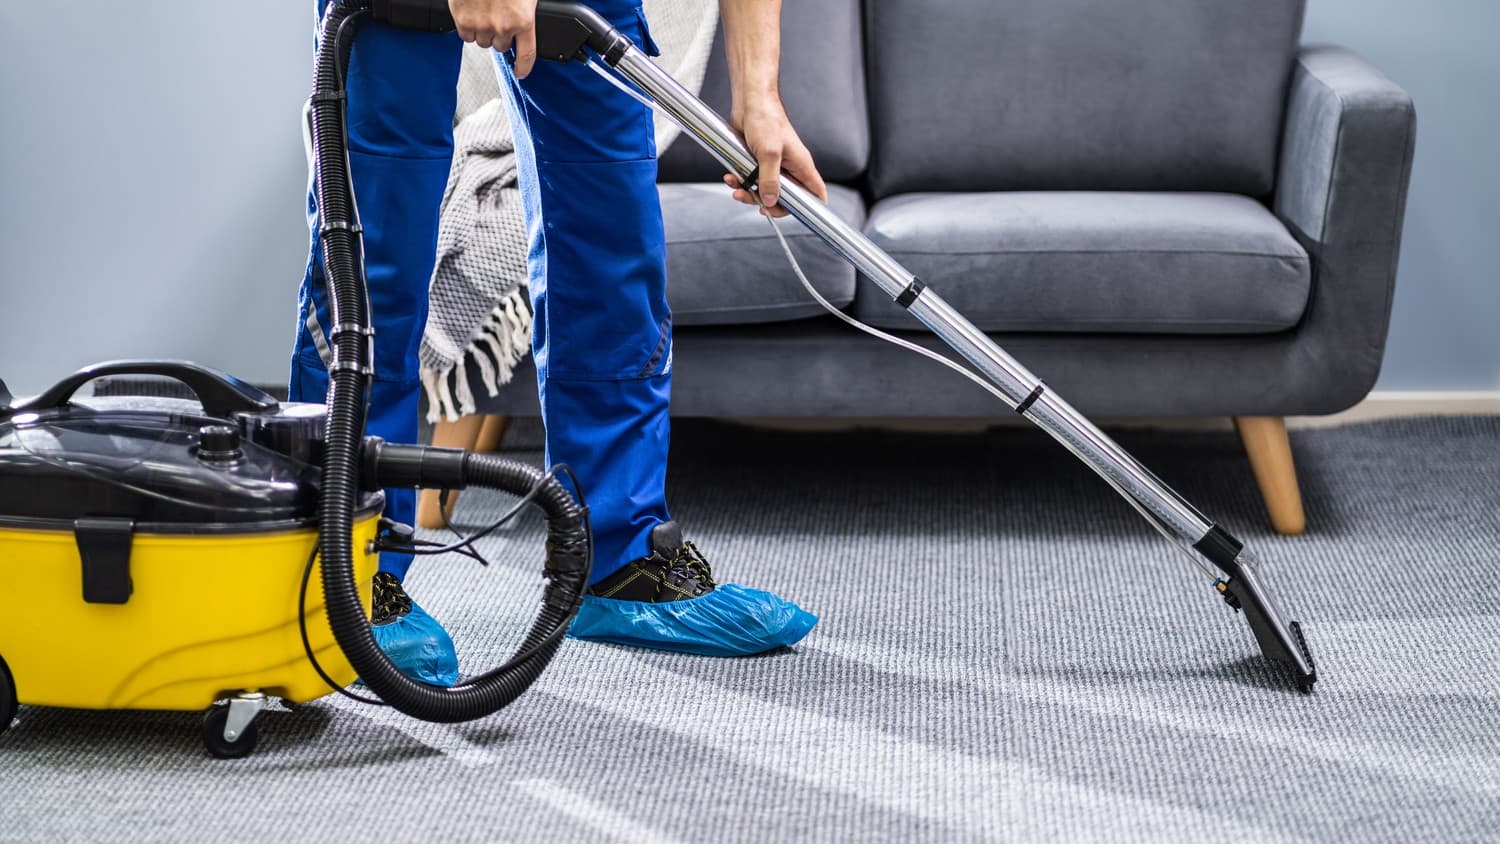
x=104 y=547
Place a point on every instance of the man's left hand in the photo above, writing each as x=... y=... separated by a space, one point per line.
x=774 y=143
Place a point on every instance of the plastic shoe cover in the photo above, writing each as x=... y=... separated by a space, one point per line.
x=420 y=647
x=732 y=620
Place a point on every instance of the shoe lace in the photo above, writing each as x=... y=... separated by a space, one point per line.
x=690 y=563
x=390 y=599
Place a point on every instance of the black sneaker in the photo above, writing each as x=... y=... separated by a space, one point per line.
x=675 y=571
x=391 y=601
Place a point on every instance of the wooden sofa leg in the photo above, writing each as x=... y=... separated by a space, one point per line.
x=475 y=433
x=1270 y=453
x=463 y=433
x=491 y=433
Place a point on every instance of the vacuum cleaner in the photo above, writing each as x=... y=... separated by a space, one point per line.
x=570 y=31
x=168 y=545
x=162 y=549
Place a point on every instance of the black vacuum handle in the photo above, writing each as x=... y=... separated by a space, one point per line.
x=562 y=28
x=220 y=393
x=426 y=15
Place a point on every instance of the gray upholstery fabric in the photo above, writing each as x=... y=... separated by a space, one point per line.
x=1178 y=263
x=1346 y=162
x=1345 y=167
x=724 y=265
x=823 y=368
x=1341 y=106
x=822 y=86
x=1078 y=94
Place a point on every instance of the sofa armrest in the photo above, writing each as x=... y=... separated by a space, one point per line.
x=1345 y=166
x=1346 y=149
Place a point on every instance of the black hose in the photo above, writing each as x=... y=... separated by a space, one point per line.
x=569 y=549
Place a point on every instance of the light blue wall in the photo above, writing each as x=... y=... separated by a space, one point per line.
x=151 y=170
x=151 y=177
x=1445 y=332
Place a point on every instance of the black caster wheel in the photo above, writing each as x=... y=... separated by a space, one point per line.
x=8 y=702
x=220 y=747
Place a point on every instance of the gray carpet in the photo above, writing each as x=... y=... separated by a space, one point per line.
x=1005 y=652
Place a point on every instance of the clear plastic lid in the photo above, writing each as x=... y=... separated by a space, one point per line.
x=151 y=465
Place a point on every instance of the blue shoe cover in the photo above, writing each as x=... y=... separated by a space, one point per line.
x=420 y=647
x=732 y=620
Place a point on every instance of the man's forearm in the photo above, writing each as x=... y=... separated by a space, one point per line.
x=752 y=36
x=752 y=39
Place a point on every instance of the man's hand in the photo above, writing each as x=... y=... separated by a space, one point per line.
x=499 y=24
x=776 y=148
x=752 y=41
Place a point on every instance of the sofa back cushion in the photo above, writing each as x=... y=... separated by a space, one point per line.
x=1078 y=94
x=822 y=87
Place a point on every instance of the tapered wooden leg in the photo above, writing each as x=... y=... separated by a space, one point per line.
x=461 y=434
x=1270 y=453
x=476 y=433
x=491 y=433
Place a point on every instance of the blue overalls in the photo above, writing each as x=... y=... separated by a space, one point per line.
x=602 y=334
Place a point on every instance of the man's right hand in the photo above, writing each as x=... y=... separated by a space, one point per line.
x=499 y=24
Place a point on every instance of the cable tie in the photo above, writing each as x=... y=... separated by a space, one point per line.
x=350 y=366
x=351 y=328
x=911 y=293
x=340 y=226
x=1030 y=400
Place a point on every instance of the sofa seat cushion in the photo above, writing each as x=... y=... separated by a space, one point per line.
x=1173 y=263
x=725 y=267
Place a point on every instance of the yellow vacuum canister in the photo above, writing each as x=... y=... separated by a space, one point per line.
x=156 y=549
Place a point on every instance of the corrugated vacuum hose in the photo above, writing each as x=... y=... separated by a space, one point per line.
x=351 y=462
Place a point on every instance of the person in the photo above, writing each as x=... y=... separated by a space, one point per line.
x=602 y=330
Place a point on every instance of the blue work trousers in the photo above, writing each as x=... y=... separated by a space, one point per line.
x=602 y=334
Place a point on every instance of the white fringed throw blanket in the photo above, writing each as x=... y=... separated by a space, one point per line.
x=479 y=313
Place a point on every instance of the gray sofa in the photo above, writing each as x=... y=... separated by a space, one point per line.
x=1162 y=207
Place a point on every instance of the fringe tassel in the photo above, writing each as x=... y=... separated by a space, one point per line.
x=437 y=405
x=487 y=372
x=461 y=382
x=502 y=342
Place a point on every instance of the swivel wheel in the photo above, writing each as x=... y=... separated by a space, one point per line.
x=8 y=702
x=229 y=731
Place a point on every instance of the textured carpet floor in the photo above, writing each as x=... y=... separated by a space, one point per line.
x=1005 y=652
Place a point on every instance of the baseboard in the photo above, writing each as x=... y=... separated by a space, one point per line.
x=1401 y=404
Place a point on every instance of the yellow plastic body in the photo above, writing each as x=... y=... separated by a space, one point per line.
x=209 y=616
